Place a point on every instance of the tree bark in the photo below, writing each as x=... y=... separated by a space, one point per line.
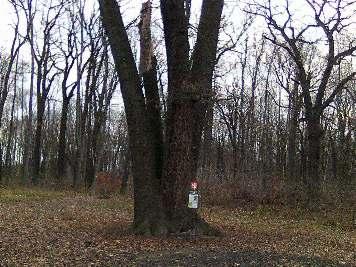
x=148 y=213
x=189 y=90
x=314 y=137
x=185 y=118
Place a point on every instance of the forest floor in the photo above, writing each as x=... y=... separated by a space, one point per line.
x=51 y=228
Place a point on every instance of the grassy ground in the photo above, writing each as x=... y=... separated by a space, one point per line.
x=44 y=228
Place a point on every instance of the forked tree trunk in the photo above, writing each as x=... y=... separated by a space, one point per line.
x=148 y=212
x=161 y=189
x=189 y=88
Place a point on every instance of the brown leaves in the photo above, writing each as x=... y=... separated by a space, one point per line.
x=47 y=228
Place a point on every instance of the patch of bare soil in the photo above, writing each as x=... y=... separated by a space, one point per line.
x=81 y=230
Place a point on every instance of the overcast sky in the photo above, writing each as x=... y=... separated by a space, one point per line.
x=5 y=20
x=130 y=9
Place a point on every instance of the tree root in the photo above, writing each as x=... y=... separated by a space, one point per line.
x=163 y=229
x=151 y=228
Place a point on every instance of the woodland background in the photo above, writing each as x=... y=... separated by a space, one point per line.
x=61 y=117
x=276 y=169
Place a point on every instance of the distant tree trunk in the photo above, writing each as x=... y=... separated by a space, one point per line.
x=78 y=141
x=36 y=161
x=76 y=169
x=242 y=117
x=342 y=149
x=61 y=154
x=45 y=77
x=334 y=159
x=87 y=135
x=250 y=120
x=220 y=160
x=295 y=106
x=125 y=171
x=11 y=126
x=43 y=89
x=71 y=56
x=28 y=136
x=303 y=157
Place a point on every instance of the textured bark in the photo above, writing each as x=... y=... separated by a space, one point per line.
x=148 y=214
x=208 y=137
x=154 y=114
x=189 y=85
x=314 y=137
x=148 y=70
x=189 y=91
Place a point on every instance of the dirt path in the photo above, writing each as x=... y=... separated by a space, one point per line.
x=46 y=229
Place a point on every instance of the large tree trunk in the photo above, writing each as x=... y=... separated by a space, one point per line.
x=148 y=212
x=313 y=139
x=189 y=85
x=188 y=89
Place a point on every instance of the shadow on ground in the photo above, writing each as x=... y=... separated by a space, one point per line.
x=231 y=258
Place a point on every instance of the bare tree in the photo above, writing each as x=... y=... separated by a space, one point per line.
x=46 y=74
x=292 y=40
x=185 y=118
x=16 y=44
x=70 y=54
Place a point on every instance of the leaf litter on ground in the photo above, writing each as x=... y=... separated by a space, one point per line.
x=40 y=228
